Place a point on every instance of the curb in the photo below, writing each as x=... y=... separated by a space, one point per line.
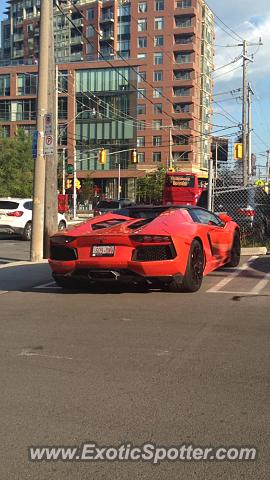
x=22 y=263
x=254 y=251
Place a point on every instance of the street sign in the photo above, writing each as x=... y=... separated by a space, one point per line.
x=48 y=145
x=34 y=144
x=70 y=169
x=48 y=124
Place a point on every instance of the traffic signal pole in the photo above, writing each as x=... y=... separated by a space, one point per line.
x=74 y=185
x=36 y=254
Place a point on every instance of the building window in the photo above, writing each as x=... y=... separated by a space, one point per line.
x=159 y=23
x=156 y=156
x=142 y=42
x=63 y=81
x=157 y=124
x=142 y=7
x=90 y=14
x=141 y=77
x=158 y=76
x=158 y=41
x=181 y=124
x=181 y=107
x=180 y=140
x=141 y=93
x=157 y=141
x=183 y=58
x=181 y=91
x=141 y=157
x=4 y=85
x=62 y=107
x=23 y=110
x=183 y=22
x=141 y=109
x=90 y=31
x=158 y=58
x=5 y=131
x=158 y=92
x=182 y=74
x=184 y=4
x=183 y=39
x=141 y=125
x=142 y=25
x=159 y=5
x=62 y=134
x=140 y=141
x=157 y=108
x=27 y=83
x=5 y=108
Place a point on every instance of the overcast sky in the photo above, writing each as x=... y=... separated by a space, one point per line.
x=250 y=19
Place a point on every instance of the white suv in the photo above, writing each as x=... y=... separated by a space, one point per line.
x=16 y=216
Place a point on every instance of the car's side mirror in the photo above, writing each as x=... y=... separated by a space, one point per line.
x=224 y=217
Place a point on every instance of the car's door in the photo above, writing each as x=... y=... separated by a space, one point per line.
x=219 y=237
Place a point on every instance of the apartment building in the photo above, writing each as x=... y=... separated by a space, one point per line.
x=168 y=43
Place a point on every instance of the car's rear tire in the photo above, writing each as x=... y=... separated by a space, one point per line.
x=235 y=251
x=192 y=280
x=67 y=283
x=27 y=232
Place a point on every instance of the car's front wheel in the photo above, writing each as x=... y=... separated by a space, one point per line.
x=192 y=280
x=27 y=232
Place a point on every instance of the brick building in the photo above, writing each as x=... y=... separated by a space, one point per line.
x=168 y=43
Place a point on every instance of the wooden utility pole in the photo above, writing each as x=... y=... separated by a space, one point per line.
x=244 y=115
x=51 y=200
x=250 y=92
x=36 y=254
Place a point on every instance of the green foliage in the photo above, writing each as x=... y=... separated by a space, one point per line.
x=16 y=166
x=150 y=188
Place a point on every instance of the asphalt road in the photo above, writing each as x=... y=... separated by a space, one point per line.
x=13 y=249
x=125 y=365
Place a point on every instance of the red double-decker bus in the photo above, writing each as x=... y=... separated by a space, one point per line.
x=182 y=188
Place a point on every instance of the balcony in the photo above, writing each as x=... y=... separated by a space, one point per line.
x=107 y=36
x=18 y=53
x=107 y=18
x=18 y=37
x=76 y=40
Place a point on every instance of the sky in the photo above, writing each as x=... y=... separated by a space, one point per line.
x=249 y=20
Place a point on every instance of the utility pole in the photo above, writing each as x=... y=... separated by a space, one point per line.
x=63 y=171
x=244 y=115
x=51 y=200
x=170 y=147
x=250 y=92
x=210 y=184
x=36 y=254
x=268 y=170
x=119 y=179
x=74 y=185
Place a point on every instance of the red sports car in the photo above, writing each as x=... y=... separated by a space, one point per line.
x=174 y=250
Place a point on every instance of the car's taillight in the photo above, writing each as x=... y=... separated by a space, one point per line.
x=151 y=239
x=62 y=239
x=17 y=213
x=248 y=212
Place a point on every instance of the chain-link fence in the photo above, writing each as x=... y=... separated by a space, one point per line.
x=248 y=206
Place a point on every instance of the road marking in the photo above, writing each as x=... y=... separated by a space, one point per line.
x=47 y=285
x=22 y=263
x=28 y=353
x=217 y=288
x=261 y=284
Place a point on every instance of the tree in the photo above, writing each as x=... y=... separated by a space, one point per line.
x=150 y=188
x=16 y=165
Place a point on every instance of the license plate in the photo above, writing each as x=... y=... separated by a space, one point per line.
x=103 y=251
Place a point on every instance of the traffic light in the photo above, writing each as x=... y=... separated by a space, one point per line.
x=68 y=184
x=238 y=151
x=78 y=184
x=102 y=156
x=134 y=156
x=171 y=169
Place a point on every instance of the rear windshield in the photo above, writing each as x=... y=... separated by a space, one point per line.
x=107 y=204
x=7 y=205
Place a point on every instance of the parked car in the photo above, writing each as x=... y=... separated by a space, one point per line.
x=248 y=207
x=106 y=206
x=174 y=250
x=16 y=216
